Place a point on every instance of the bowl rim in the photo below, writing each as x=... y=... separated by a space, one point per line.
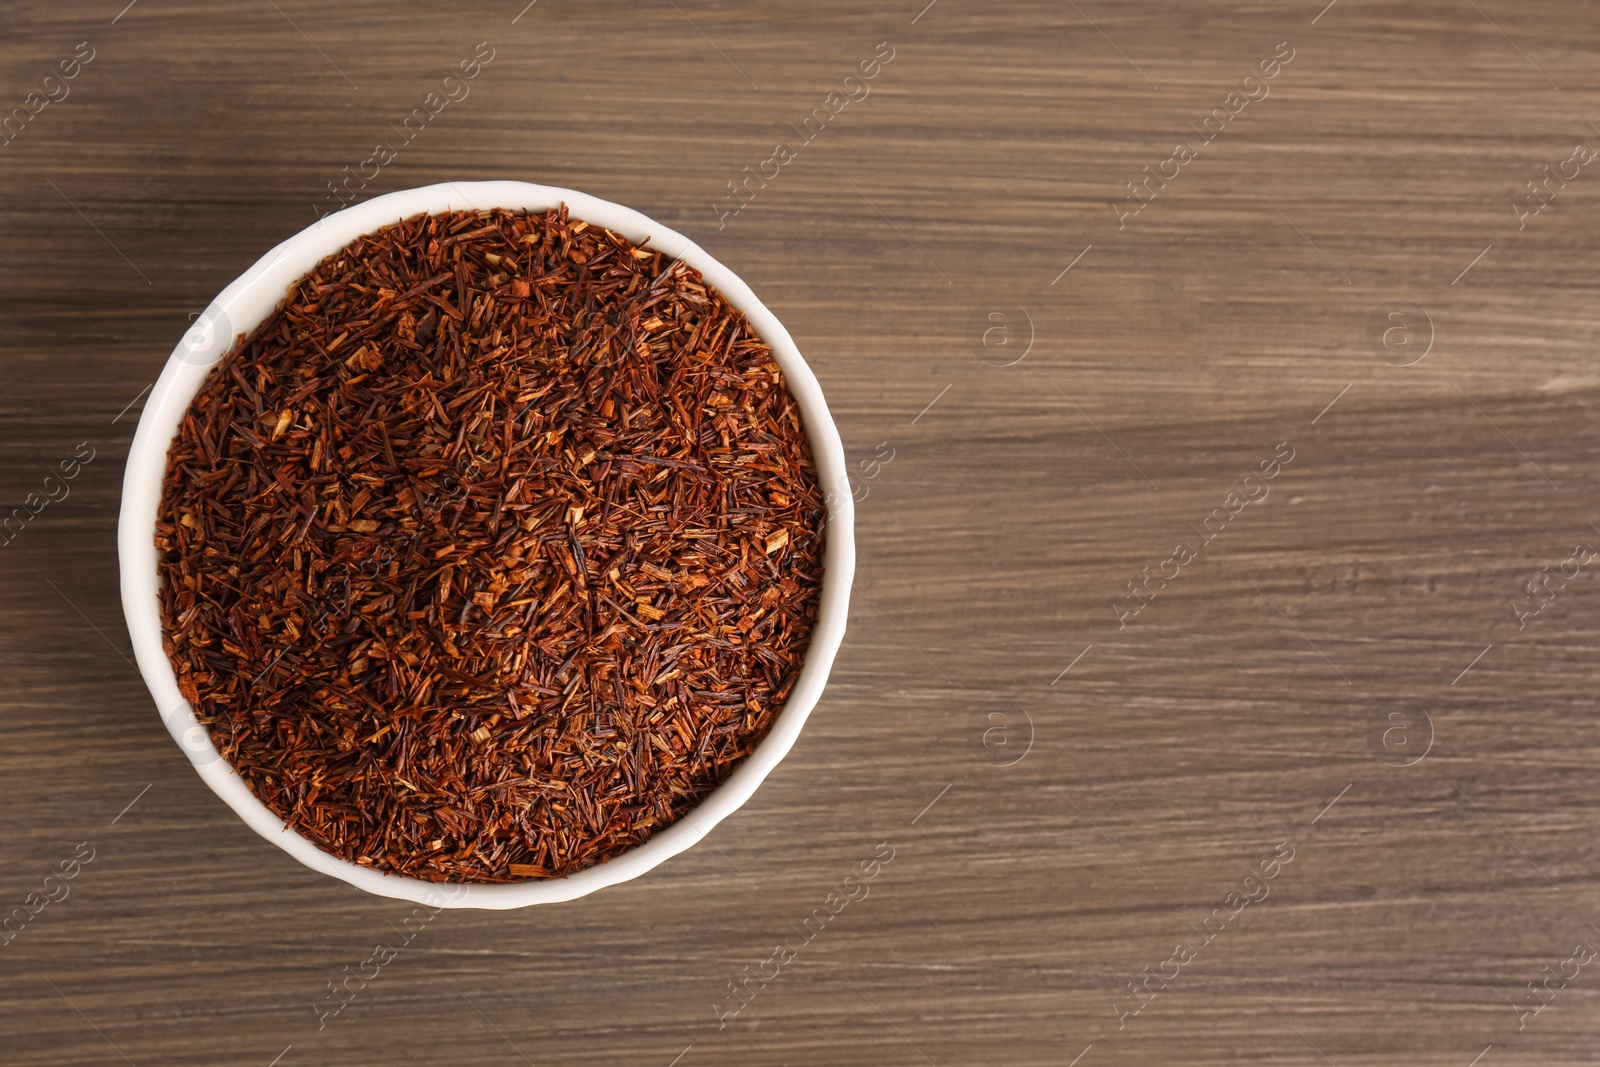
x=240 y=308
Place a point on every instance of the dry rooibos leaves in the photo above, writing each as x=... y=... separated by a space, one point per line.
x=493 y=550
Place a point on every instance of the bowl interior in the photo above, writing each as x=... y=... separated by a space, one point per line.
x=246 y=303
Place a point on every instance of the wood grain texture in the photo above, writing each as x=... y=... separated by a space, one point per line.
x=1250 y=694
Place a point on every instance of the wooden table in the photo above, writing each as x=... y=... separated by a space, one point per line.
x=1044 y=394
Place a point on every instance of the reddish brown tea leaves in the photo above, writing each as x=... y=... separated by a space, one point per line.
x=493 y=550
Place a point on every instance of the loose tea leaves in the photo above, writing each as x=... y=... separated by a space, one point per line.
x=493 y=550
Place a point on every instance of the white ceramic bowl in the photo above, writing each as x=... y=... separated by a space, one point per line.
x=240 y=308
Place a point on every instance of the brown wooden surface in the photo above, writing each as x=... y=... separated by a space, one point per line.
x=1168 y=761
